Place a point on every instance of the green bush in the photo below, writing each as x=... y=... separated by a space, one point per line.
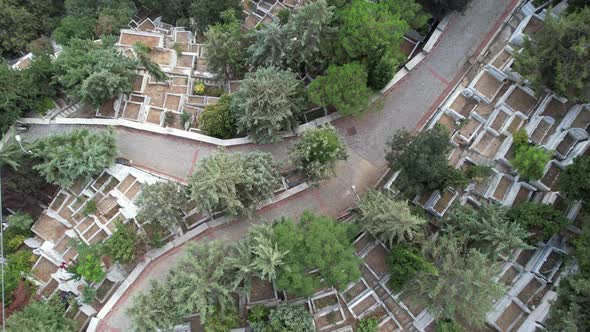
x=222 y=321
x=318 y=151
x=89 y=264
x=575 y=181
x=478 y=172
x=290 y=317
x=13 y=243
x=258 y=313
x=530 y=161
x=369 y=324
x=217 y=120
x=520 y=137
x=88 y=295
x=448 y=326
x=89 y=208
x=122 y=246
x=541 y=220
x=404 y=264
x=20 y=221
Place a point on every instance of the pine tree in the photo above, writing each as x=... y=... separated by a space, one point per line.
x=77 y=155
x=268 y=48
x=269 y=101
x=268 y=258
x=162 y=204
x=344 y=87
x=389 y=220
x=488 y=229
x=463 y=290
x=307 y=30
x=557 y=56
x=225 y=54
x=155 y=309
x=201 y=281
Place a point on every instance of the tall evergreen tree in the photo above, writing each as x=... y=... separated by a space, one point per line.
x=557 y=56
x=307 y=30
x=155 y=309
x=161 y=204
x=268 y=48
x=463 y=289
x=235 y=183
x=344 y=87
x=77 y=155
x=488 y=229
x=201 y=281
x=269 y=101
x=389 y=220
x=225 y=53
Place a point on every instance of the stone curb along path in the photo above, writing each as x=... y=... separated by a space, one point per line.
x=156 y=254
x=405 y=70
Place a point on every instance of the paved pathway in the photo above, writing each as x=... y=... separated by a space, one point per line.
x=407 y=104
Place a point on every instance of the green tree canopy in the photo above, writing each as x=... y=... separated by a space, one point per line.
x=404 y=264
x=488 y=229
x=201 y=281
x=41 y=316
x=24 y=21
x=77 y=155
x=366 y=26
x=530 y=161
x=92 y=73
x=268 y=48
x=344 y=87
x=410 y=11
x=317 y=242
x=162 y=204
x=216 y=120
x=30 y=89
x=557 y=56
x=233 y=182
x=570 y=311
x=210 y=12
x=155 y=309
x=318 y=151
x=71 y=27
x=290 y=317
x=123 y=244
x=89 y=265
x=389 y=220
x=541 y=220
x=268 y=101
x=422 y=160
x=225 y=51
x=575 y=180
x=307 y=32
x=463 y=289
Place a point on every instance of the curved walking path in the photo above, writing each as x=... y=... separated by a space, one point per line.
x=407 y=105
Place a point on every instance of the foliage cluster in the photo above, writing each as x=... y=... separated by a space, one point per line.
x=216 y=120
x=317 y=242
x=77 y=155
x=405 y=263
x=557 y=56
x=574 y=181
x=235 y=183
x=318 y=151
x=161 y=205
x=422 y=161
x=94 y=73
x=389 y=220
x=541 y=220
x=41 y=316
x=30 y=89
